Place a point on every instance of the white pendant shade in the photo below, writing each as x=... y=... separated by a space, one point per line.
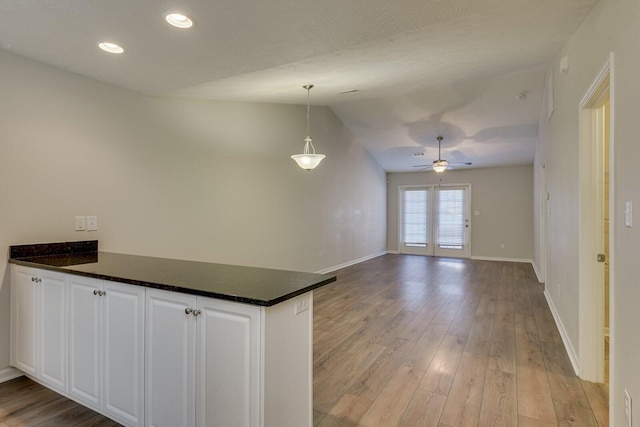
x=308 y=159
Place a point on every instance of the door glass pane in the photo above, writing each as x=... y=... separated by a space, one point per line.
x=415 y=217
x=451 y=230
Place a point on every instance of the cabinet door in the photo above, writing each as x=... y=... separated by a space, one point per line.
x=228 y=360
x=85 y=315
x=123 y=363
x=52 y=325
x=24 y=303
x=170 y=359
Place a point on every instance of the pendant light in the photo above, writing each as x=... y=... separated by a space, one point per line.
x=308 y=159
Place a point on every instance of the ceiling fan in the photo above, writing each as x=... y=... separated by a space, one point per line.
x=441 y=165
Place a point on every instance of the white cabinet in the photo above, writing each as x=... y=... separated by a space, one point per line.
x=39 y=325
x=228 y=364
x=203 y=362
x=123 y=352
x=106 y=347
x=170 y=359
x=144 y=356
x=85 y=318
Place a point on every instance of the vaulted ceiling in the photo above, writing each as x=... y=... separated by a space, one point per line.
x=411 y=69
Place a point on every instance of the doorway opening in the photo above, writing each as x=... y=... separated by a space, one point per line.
x=434 y=220
x=596 y=220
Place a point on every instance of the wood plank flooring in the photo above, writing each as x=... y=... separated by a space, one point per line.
x=25 y=403
x=412 y=341
x=418 y=341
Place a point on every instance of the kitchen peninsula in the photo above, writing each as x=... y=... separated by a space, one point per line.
x=152 y=341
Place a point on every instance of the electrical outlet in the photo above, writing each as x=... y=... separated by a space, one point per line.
x=501 y=245
x=627 y=408
x=81 y=223
x=302 y=305
x=92 y=223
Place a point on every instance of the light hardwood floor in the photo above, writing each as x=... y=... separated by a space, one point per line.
x=24 y=403
x=420 y=341
x=412 y=341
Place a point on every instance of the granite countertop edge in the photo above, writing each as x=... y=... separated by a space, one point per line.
x=173 y=285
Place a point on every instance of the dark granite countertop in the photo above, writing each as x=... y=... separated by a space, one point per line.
x=250 y=285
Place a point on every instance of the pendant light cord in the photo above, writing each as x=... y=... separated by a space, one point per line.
x=308 y=144
x=308 y=106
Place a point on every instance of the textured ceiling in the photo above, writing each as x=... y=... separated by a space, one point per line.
x=422 y=67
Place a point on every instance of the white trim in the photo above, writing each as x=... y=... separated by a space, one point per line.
x=497 y=258
x=612 y=223
x=591 y=294
x=573 y=356
x=350 y=263
x=9 y=373
x=393 y=252
x=537 y=271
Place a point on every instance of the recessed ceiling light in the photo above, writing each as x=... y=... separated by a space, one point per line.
x=179 y=20
x=110 y=47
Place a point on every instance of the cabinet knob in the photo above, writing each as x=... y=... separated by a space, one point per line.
x=102 y=293
x=38 y=280
x=95 y=292
x=33 y=279
x=196 y=312
x=188 y=310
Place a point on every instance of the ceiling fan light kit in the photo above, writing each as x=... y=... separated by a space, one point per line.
x=440 y=166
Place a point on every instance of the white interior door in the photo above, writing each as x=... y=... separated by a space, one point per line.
x=452 y=227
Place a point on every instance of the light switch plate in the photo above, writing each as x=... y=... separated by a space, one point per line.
x=628 y=214
x=92 y=223
x=81 y=223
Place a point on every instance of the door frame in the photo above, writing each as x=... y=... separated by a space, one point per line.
x=591 y=294
x=432 y=216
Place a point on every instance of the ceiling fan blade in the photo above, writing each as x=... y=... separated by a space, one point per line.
x=422 y=166
x=460 y=163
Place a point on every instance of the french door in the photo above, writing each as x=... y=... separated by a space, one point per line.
x=434 y=220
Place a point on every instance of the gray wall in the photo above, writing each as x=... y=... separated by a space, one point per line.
x=208 y=181
x=612 y=25
x=502 y=195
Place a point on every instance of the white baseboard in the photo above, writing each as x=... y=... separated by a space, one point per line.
x=350 y=263
x=9 y=373
x=537 y=271
x=393 y=252
x=492 y=258
x=573 y=356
